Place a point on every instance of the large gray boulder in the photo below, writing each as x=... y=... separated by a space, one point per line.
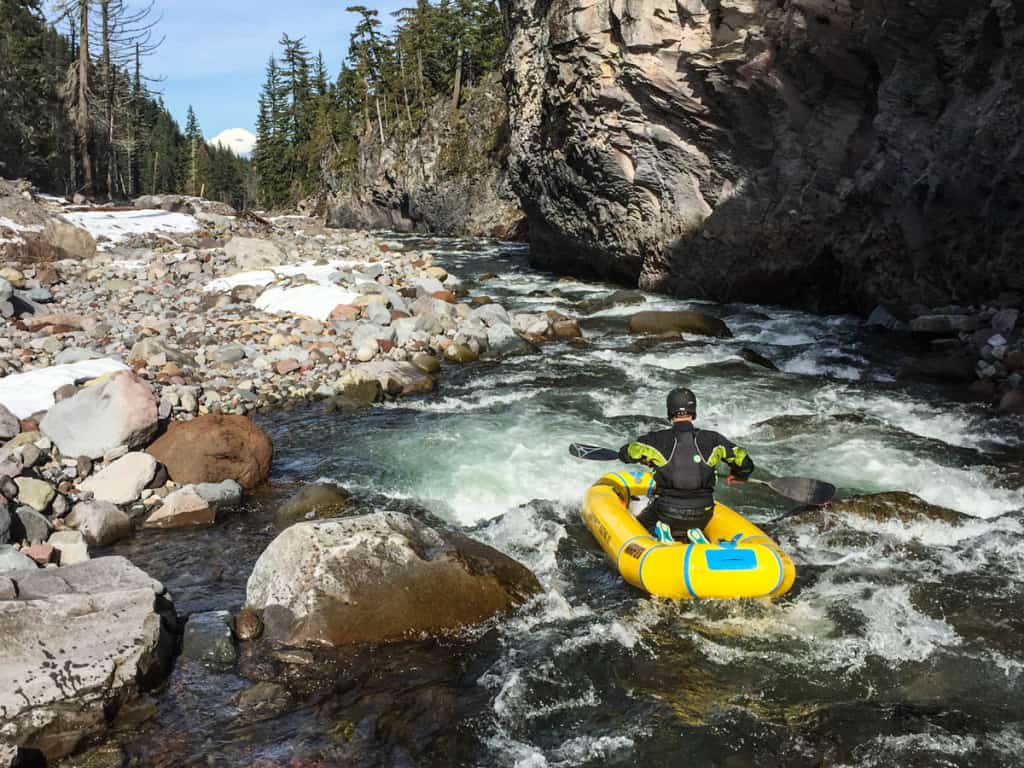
x=250 y=253
x=379 y=577
x=12 y=560
x=100 y=522
x=79 y=643
x=10 y=426
x=120 y=410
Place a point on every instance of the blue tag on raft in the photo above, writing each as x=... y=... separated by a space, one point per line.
x=731 y=559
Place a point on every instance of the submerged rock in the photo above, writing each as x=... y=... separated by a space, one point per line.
x=213 y=448
x=379 y=577
x=955 y=368
x=208 y=639
x=756 y=358
x=894 y=505
x=679 y=322
x=79 y=644
x=321 y=500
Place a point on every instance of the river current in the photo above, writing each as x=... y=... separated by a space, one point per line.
x=902 y=643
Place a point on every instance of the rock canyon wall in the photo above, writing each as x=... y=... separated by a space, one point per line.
x=826 y=154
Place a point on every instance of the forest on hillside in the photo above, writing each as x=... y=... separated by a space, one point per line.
x=81 y=116
x=309 y=125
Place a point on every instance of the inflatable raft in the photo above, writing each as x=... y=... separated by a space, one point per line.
x=739 y=560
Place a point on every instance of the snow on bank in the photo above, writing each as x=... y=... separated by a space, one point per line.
x=26 y=393
x=317 y=299
x=118 y=226
x=16 y=227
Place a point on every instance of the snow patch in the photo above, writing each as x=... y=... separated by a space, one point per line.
x=26 y=393
x=118 y=226
x=16 y=227
x=316 y=301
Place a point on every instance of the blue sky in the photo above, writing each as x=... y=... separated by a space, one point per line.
x=216 y=51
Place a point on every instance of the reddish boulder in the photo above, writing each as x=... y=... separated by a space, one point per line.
x=447 y=296
x=345 y=312
x=214 y=448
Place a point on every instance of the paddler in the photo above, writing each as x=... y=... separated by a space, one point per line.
x=684 y=460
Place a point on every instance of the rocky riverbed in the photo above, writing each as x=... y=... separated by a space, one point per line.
x=136 y=341
x=898 y=642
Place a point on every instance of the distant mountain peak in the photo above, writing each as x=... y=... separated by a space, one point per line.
x=238 y=140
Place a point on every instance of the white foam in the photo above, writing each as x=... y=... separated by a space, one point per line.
x=26 y=393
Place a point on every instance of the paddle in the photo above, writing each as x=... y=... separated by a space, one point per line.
x=802 y=489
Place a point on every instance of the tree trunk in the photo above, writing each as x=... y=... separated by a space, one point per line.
x=82 y=111
x=457 y=90
x=405 y=90
x=380 y=119
x=419 y=67
x=108 y=87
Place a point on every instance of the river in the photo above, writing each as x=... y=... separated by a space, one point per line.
x=901 y=643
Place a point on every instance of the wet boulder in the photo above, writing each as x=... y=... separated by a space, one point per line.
x=120 y=410
x=1012 y=402
x=396 y=378
x=184 y=508
x=667 y=322
x=213 y=448
x=317 y=501
x=379 y=577
x=208 y=639
x=79 y=643
x=958 y=367
x=944 y=325
x=894 y=505
x=756 y=358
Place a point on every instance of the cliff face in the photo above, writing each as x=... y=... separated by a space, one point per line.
x=450 y=177
x=818 y=153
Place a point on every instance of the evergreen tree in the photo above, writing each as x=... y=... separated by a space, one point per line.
x=271 y=153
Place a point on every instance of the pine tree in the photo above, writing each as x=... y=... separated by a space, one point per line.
x=271 y=153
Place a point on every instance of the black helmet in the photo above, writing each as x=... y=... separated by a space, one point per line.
x=682 y=402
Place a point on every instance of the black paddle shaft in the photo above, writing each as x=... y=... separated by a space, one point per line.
x=802 y=489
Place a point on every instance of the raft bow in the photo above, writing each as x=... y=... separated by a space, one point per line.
x=739 y=561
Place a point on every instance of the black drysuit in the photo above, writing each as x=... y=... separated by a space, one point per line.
x=684 y=460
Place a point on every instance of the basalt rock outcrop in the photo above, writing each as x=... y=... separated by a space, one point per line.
x=449 y=177
x=827 y=155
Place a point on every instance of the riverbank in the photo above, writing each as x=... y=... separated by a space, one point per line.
x=138 y=339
